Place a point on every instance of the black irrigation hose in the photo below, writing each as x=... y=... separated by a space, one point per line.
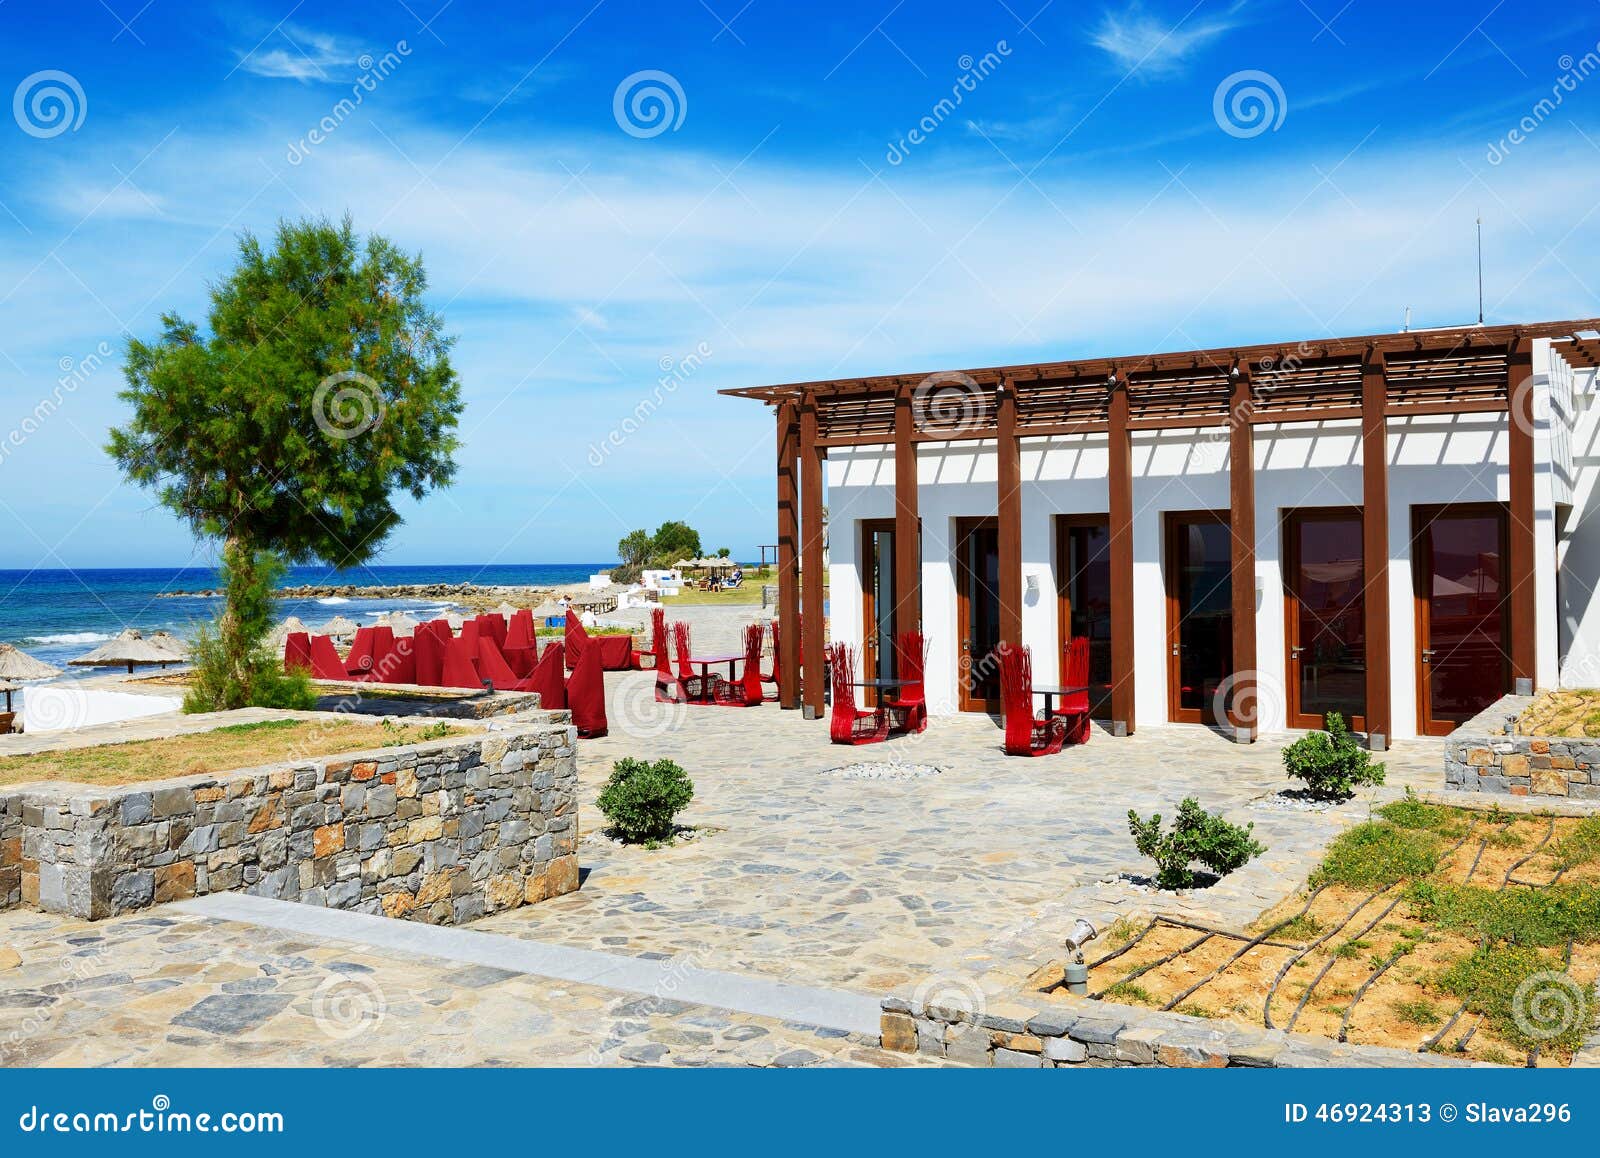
x=1438 y=1037
x=1115 y=953
x=1156 y=964
x=1461 y=1043
x=1254 y=942
x=1344 y=1024
x=1533 y=852
x=1272 y=991
x=1468 y=878
x=1333 y=959
x=1228 y=933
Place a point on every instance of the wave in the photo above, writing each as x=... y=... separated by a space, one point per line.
x=333 y=600
x=69 y=637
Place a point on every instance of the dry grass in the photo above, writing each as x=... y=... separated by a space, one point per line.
x=1572 y=714
x=233 y=746
x=1456 y=908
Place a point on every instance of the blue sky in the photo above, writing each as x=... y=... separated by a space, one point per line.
x=1095 y=190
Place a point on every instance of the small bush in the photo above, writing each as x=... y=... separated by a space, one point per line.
x=640 y=799
x=218 y=682
x=1332 y=764
x=1197 y=835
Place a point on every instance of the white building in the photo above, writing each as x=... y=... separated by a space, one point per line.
x=1391 y=526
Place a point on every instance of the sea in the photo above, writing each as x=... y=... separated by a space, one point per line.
x=58 y=615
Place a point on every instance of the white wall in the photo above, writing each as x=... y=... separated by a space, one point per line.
x=63 y=707
x=1432 y=460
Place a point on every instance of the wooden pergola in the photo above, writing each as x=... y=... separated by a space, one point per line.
x=1370 y=378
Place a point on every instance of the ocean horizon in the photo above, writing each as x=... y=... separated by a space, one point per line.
x=57 y=615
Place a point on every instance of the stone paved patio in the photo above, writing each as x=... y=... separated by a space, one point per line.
x=870 y=884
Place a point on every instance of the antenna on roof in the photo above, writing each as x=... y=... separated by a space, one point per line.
x=1406 y=329
x=1480 y=267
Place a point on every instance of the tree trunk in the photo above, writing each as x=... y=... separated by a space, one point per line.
x=239 y=560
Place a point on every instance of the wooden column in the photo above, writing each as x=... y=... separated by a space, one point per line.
x=1244 y=708
x=788 y=657
x=1120 y=506
x=907 y=527
x=1010 y=512
x=1375 y=548
x=1522 y=544
x=811 y=573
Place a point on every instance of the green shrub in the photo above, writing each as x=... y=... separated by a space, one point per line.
x=1332 y=764
x=1197 y=835
x=640 y=799
x=219 y=681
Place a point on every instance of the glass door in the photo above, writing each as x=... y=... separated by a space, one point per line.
x=978 y=613
x=1325 y=629
x=877 y=598
x=1458 y=561
x=1199 y=613
x=1083 y=593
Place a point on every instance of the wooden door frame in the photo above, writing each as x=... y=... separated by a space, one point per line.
x=1170 y=522
x=1422 y=515
x=1290 y=555
x=1063 y=524
x=965 y=526
x=869 y=601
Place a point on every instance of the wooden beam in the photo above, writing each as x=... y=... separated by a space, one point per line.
x=1522 y=545
x=907 y=526
x=1120 y=506
x=788 y=658
x=1375 y=549
x=1244 y=706
x=814 y=675
x=1010 y=515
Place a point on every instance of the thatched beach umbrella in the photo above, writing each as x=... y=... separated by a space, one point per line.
x=399 y=622
x=280 y=634
x=455 y=619
x=130 y=647
x=506 y=609
x=18 y=667
x=339 y=625
x=547 y=609
x=170 y=643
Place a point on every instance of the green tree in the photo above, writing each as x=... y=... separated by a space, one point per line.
x=672 y=541
x=634 y=548
x=323 y=386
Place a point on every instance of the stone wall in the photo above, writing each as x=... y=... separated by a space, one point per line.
x=1481 y=757
x=1036 y=1031
x=441 y=832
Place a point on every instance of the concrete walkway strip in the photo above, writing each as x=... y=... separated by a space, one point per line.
x=675 y=979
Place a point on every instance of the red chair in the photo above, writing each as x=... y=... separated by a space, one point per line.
x=616 y=651
x=909 y=711
x=1026 y=735
x=549 y=678
x=521 y=647
x=586 y=695
x=849 y=724
x=745 y=692
x=669 y=690
x=695 y=689
x=493 y=667
x=325 y=661
x=385 y=657
x=492 y=626
x=772 y=676
x=461 y=663
x=297 y=651
x=1075 y=708
x=358 y=661
x=429 y=644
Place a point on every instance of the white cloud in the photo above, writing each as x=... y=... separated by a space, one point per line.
x=1139 y=40
x=304 y=55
